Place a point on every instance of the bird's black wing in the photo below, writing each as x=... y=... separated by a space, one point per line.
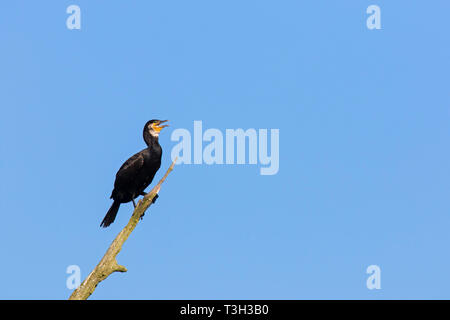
x=130 y=169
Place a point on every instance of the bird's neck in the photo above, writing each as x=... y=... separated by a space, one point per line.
x=151 y=140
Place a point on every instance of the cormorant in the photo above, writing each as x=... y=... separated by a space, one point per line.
x=137 y=172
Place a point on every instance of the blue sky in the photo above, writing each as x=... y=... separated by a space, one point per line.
x=364 y=159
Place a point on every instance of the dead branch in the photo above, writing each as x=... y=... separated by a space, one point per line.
x=108 y=264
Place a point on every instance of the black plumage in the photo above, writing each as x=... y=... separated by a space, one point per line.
x=136 y=174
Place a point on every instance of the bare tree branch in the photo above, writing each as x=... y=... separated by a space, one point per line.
x=109 y=264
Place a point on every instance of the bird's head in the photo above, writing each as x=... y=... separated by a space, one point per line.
x=154 y=127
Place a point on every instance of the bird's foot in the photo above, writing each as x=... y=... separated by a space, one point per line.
x=154 y=198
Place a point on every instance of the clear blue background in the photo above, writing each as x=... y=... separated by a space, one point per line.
x=364 y=147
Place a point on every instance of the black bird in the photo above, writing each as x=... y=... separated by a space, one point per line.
x=137 y=172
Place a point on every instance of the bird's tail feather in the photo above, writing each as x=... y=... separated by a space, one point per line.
x=110 y=215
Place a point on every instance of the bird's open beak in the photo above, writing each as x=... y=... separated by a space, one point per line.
x=159 y=127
